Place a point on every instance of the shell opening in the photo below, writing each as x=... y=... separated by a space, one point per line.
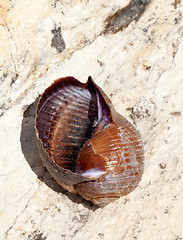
x=104 y=112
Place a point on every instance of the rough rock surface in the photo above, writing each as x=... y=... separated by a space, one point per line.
x=139 y=67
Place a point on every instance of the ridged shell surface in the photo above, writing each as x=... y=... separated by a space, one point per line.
x=85 y=144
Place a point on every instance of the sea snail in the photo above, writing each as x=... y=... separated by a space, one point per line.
x=85 y=144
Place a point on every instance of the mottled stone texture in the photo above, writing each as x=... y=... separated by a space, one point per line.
x=139 y=67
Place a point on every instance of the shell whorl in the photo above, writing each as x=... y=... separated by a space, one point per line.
x=85 y=144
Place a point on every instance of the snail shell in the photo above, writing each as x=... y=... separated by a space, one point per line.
x=85 y=144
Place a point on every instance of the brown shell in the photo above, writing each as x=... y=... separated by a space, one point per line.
x=85 y=144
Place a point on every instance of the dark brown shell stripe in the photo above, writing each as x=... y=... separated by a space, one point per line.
x=63 y=122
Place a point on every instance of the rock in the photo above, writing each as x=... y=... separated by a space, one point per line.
x=139 y=67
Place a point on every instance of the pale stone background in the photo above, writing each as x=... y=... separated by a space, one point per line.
x=141 y=70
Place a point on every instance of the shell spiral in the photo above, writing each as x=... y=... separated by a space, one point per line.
x=85 y=144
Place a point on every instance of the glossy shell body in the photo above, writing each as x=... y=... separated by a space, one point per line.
x=85 y=144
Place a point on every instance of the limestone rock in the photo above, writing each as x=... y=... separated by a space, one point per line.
x=140 y=68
